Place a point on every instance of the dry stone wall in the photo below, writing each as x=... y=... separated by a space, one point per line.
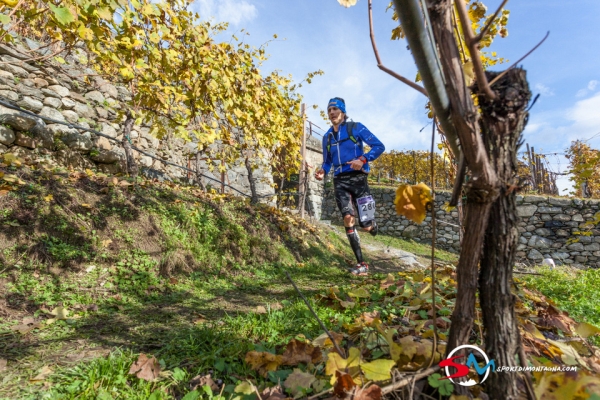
x=60 y=93
x=564 y=229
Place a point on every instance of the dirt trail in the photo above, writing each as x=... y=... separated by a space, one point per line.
x=382 y=258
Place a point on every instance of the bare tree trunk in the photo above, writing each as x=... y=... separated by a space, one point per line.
x=481 y=189
x=502 y=123
x=254 y=198
x=130 y=164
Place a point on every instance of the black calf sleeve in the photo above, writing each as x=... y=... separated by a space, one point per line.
x=354 y=243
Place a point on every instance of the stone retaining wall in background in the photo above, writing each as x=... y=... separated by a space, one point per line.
x=61 y=93
x=563 y=229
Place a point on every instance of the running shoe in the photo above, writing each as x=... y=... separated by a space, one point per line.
x=361 y=269
x=374 y=230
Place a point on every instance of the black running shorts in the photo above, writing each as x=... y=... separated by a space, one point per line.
x=349 y=187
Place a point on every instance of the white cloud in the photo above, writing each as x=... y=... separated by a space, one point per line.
x=544 y=90
x=591 y=87
x=233 y=11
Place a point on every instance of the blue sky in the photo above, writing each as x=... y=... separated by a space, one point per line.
x=321 y=34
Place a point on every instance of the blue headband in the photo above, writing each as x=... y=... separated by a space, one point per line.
x=337 y=103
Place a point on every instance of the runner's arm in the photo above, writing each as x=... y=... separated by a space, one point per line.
x=377 y=148
x=327 y=160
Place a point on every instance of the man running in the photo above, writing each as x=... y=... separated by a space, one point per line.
x=343 y=149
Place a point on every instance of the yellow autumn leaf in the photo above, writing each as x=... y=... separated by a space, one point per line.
x=360 y=292
x=586 y=330
x=48 y=198
x=378 y=370
x=413 y=201
x=347 y=3
x=335 y=362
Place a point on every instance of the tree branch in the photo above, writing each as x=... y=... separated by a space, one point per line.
x=473 y=46
x=520 y=59
x=382 y=67
x=486 y=28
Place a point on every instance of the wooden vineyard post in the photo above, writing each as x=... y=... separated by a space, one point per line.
x=302 y=186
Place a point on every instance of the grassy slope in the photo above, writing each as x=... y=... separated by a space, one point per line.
x=155 y=269
x=148 y=268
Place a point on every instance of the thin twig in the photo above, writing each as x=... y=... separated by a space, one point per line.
x=520 y=59
x=473 y=46
x=318 y=394
x=460 y=38
x=487 y=27
x=382 y=67
x=335 y=345
x=433 y=232
x=528 y=380
x=405 y=381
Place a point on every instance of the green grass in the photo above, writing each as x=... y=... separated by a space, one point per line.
x=575 y=291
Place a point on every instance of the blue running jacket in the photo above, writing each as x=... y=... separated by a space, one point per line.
x=345 y=150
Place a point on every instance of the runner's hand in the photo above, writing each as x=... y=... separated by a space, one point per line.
x=356 y=164
x=319 y=174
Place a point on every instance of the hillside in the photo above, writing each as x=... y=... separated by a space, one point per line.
x=98 y=272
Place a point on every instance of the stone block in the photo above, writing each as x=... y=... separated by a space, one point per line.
x=95 y=96
x=7 y=135
x=543 y=232
x=535 y=255
x=67 y=103
x=16 y=70
x=578 y=218
x=108 y=157
x=549 y=210
x=52 y=113
x=526 y=211
x=31 y=104
x=17 y=120
x=40 y=83
x=10 y=95
x=24 y=140
x=559 y=201
x=592 y=247
x=60 y=90
x=562 y=217
x=534 y=199
x=560 y=256
x=80 y=142
x=53 y=102
x=539 y=242
x=71 y=116
x=575 y=247
x=84 y=111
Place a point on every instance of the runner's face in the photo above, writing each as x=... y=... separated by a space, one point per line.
x=336 y=116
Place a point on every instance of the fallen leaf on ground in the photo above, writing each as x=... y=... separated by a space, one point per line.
x=260 y=310
x=201 y=380
x=173 y=281
x=27 y=325
x=324 y=341
x=145 y=368
x=42 y=375
x=586 y=330
x=344 y=384
x=273 y=393
x=245 y=388
x=263 y=362
x=298 y=381
x=297 y=352
x=3 y=364
x=378 y=370
x=106 y=242
x=59 y=313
